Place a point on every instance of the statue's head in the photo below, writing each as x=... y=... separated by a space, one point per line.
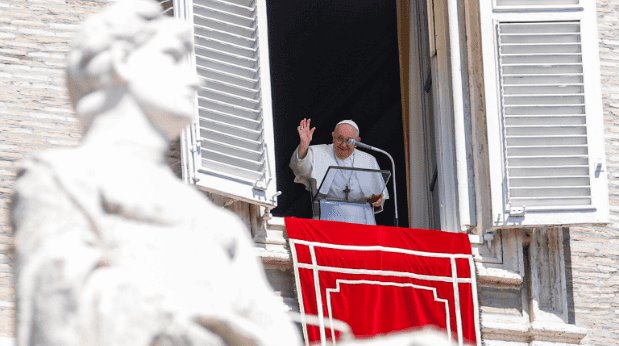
x=132 y=48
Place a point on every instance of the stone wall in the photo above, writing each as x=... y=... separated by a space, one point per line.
x=35 y=113
x=595 y=251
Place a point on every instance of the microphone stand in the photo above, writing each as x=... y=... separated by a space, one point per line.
x=352 y=141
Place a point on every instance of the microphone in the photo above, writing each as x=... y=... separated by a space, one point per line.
x=352 y=141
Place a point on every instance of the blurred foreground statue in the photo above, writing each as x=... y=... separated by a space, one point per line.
x=111 y=248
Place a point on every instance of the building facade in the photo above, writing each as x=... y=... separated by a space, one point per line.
x=546 y=244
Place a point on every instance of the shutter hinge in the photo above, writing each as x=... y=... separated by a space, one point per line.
x=274 y=197
x=195 y=152
x=599 y=166
x=517 y=211
x=261 y=184
x=196 y=147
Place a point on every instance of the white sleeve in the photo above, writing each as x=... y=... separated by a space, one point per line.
x=301 y=167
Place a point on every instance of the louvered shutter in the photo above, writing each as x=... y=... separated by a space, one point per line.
x=232 y=140
x=544 y=115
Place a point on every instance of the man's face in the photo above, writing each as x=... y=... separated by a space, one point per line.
x=340 y=140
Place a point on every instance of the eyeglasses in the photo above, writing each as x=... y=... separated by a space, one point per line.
x=340 y=139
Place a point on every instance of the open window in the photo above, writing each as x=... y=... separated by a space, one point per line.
x=544 y=114
x=230 y=149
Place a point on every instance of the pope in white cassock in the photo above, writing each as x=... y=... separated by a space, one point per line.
x=311 y=163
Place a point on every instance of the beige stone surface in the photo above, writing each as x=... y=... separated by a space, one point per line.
x=595 y=250
x=34 y=109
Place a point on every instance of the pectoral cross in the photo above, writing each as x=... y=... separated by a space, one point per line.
x=346 y=192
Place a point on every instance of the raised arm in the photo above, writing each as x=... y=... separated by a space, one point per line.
x=305 y=136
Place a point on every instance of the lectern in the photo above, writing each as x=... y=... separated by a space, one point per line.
x=344 y=192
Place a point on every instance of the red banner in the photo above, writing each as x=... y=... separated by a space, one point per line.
x=380 y=279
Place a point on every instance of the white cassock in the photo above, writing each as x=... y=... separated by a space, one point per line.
x=340 y=185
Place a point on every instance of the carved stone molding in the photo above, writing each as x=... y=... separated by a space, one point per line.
x=523 y=294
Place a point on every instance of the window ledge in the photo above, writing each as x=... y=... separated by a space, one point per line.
x=497 y=277
x=518 y=330
x=274 y=255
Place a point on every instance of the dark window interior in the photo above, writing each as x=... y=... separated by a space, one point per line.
x=334 y=60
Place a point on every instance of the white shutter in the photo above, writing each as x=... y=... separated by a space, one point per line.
x=233 y=152
x=545 y=121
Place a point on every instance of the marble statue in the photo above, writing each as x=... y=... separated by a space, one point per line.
x=110 y=247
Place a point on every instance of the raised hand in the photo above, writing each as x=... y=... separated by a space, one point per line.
x=306 y=132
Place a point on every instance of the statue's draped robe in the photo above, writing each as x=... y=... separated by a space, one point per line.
x=114 y=250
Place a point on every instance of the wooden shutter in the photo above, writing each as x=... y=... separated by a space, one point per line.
x=233 y=152
x=544 y=112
